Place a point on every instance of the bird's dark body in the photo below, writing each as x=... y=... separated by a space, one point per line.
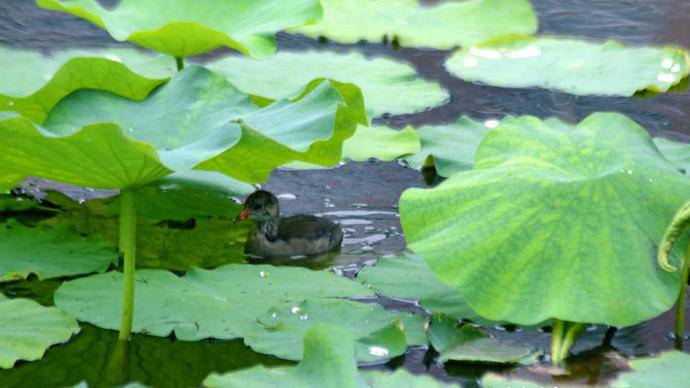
x=300 y=235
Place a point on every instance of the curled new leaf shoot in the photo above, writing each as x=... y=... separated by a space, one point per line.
x=680 y=221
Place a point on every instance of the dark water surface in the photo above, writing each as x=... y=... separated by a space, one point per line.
x=364 y=196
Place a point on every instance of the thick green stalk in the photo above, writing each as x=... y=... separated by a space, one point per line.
x=680 y=304
x=571 y=333
x=128 y=249
x=180 y=63
x=556 y=341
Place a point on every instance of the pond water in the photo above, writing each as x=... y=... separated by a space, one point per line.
x=363 y=198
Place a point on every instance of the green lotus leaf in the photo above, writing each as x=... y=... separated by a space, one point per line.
x=392 y=277
x=450 y=148
x=185 y=28
x=381 y=143
x=493 y=380
x=329 y=362
x=669 y=369
x=443 y=26
x=468 y=344
x=13 y=205
x=380 y=334
x=388 y=86
x=676 y=152
x=28 y=329
x=49 y=252
x=34 y=82
x=553 y=223
x=197 y=120
x=572 y=66
x=95 y=357
x=222 y=303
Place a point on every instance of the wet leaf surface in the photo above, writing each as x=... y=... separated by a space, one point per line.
x=223 y=303
x=380 y=335
x=669 y=369
x=572 y=66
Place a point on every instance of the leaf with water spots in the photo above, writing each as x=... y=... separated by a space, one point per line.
x=28 y=329
x=572 y=66
x=185 y=28
x=411 y=24
x=329 y=362
x=380 y=334
x=223 y=303
x=554 y=223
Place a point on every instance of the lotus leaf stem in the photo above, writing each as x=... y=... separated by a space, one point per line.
x=680 y=222
x=562 y=339
x=180 y=63
x=128 y=238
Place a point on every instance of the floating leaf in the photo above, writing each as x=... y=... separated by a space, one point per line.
x=573 y=66
x=34 y=82
x=186 y=27
x=442 y=26
x=49 y=252
x=392 y=278
x=669 y=369
x=389 y=86
x=11 y=204
x=197 y=120
x=381 y=143
x=468 y=344
x=676 y=152
x=380 y=335
x=28 y=329
x=553 y=223
x=221 y=303
x=493 y=380
x=450 y=148
x=329 y=362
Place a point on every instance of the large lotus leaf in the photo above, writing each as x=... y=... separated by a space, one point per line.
x=450 y=148
x=554 y=223
x=381 y=143
x=669 y=369
x=380 y=334
x=189 y=27
x=329 y=362
x=28 y=329
x=197 y=120
x=388 y=86
x=442 y=26
x=49 y=252
x=392 y=277
x=34 y=82
x=676 y=152
x=221 y=303
x=573 y=66
x=13 y=205
x=493 y=380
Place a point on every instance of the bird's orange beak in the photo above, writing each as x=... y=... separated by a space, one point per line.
x=244 y=214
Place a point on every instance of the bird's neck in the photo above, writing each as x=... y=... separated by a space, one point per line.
x=268 y=226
